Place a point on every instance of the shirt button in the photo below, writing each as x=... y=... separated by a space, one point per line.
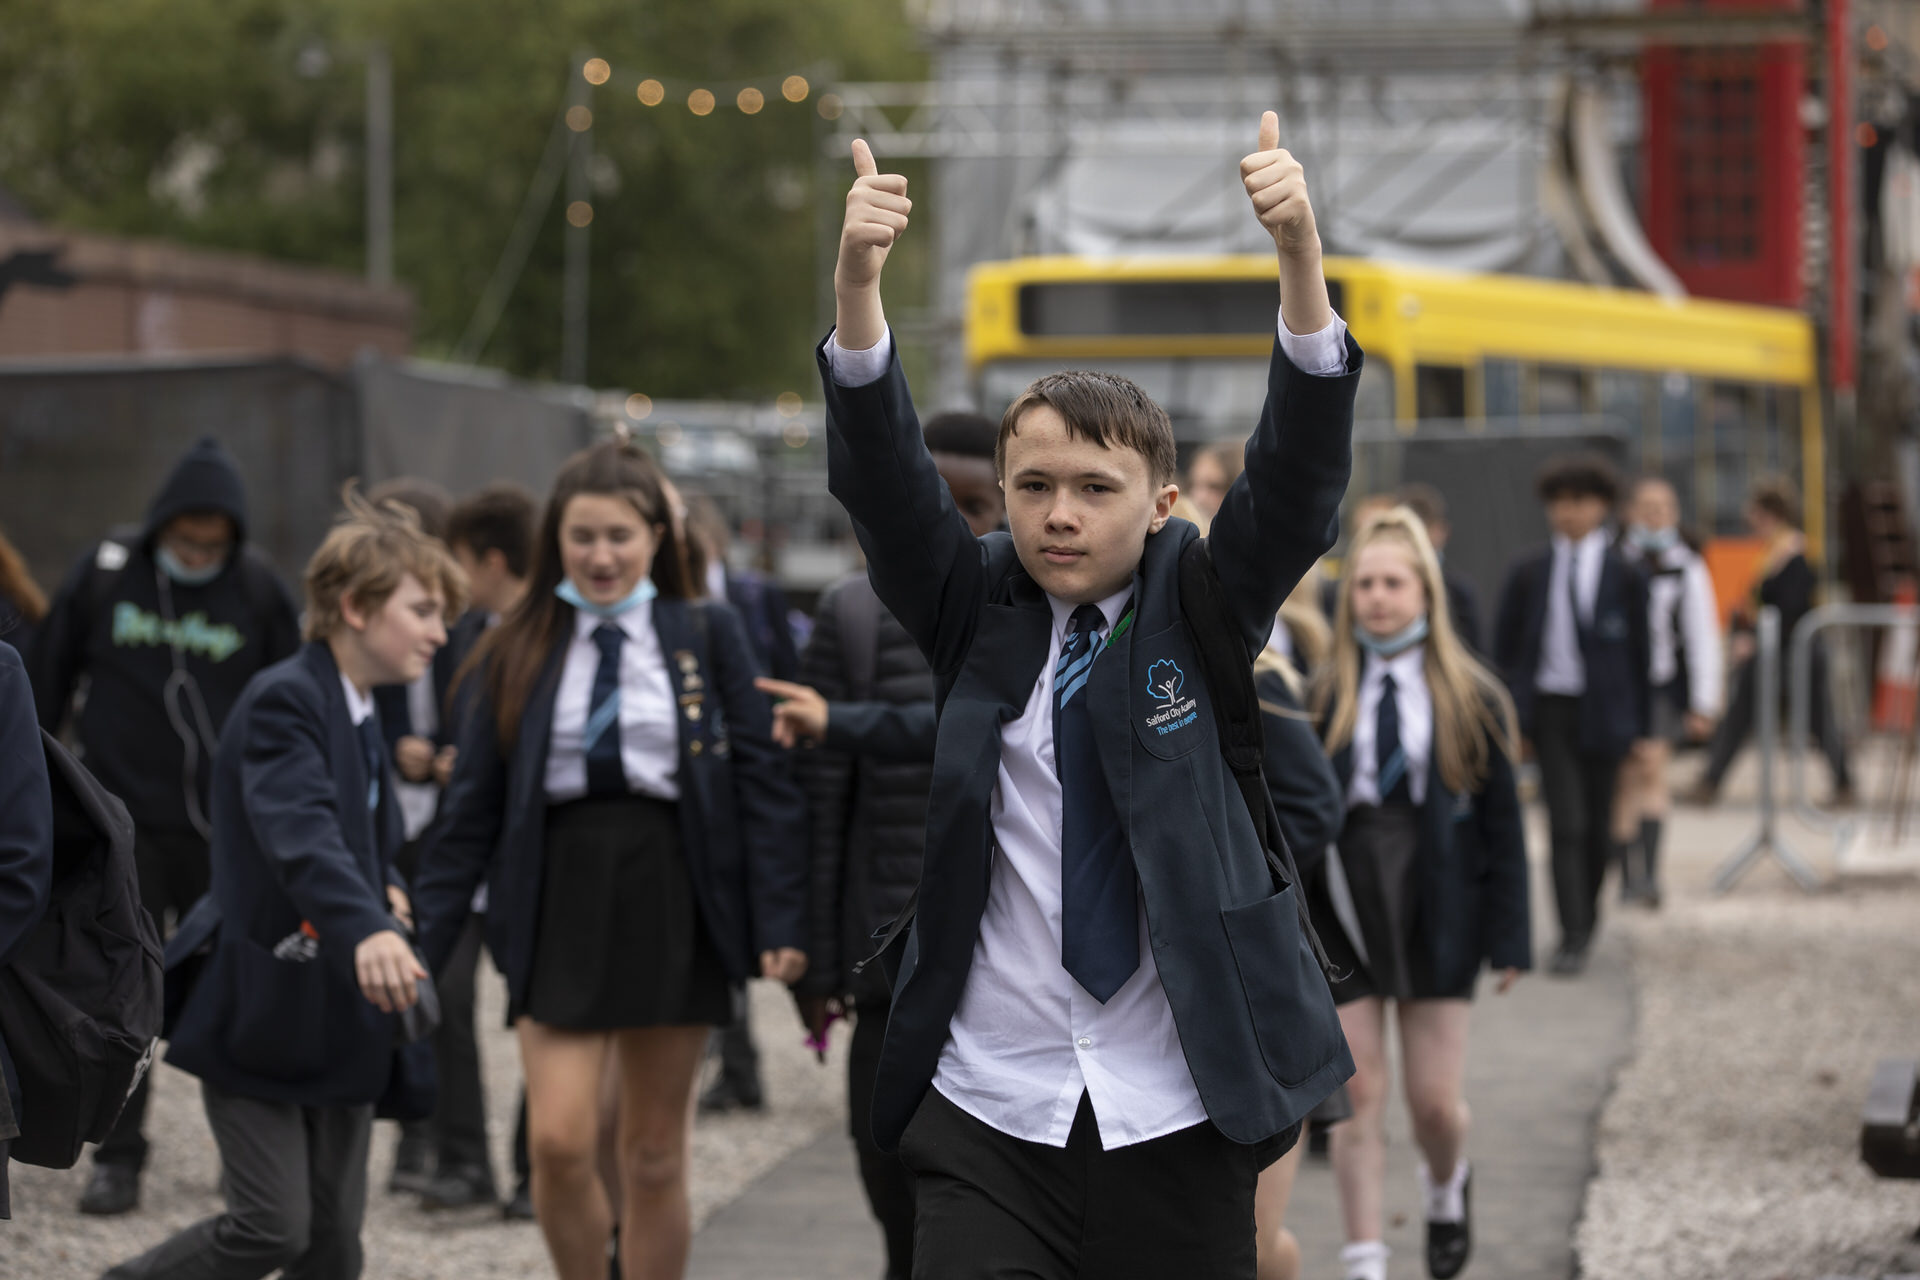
x=1085 y=1043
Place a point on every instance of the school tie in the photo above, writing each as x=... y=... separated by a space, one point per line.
x=373 y=746
x=1390 y=758
x=1573 y=589
x=1099 y=943
x=606 y=775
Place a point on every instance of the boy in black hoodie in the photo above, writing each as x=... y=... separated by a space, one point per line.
x=166 y=625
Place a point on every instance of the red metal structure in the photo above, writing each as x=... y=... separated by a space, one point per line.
x=1725 y=161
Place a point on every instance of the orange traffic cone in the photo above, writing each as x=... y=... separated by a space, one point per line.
x=1893 y=683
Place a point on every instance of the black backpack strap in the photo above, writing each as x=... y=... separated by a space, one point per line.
x=1228 y=671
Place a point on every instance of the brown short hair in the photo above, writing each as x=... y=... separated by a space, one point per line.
x=1579 y=475
x=501 y=518
x=1777 y=496
x=366 y=554
x=1105 y=408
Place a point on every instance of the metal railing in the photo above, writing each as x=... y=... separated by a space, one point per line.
x=1767 y=841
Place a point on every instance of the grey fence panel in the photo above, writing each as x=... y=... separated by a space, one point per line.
x=84 y=446
x=464 y=430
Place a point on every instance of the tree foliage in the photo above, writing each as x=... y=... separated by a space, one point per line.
x=239 y=124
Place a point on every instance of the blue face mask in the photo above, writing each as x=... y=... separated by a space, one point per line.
x=633 y=600
x=1652 y=539
x=1396 y=644
x=171 y=565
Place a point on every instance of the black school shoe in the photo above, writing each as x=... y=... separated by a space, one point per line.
x=1450 y=1244
x=459 y=1187
x=520 y=1207
x=112 y=1190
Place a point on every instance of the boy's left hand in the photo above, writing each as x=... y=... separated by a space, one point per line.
x=1277 y=185
x=1507 y=978
x=788 y=965
x=400 y=905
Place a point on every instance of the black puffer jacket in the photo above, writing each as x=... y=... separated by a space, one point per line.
x=866 y=786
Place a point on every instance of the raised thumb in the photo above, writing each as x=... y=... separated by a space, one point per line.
x=1269 y=131
x=863 y=166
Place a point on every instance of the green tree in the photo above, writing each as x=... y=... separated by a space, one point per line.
x=238 y=124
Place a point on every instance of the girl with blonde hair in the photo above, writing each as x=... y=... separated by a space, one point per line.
x=1430 y=878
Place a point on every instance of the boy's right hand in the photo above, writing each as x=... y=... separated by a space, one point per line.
x=799 y=714
x=388 y=971
x=877 y=209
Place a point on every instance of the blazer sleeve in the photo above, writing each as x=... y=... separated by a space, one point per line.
x=292 y=804
x=1306 y=794
x=925 y=564
x=1283 y=513
x=461 y=841
x=826 y=778
x=1505 y=918
x=58 y=653
x=902 y=731
x=26 y=808
x=772 y=812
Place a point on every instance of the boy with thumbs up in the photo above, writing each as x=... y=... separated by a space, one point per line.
x=1108 y=1016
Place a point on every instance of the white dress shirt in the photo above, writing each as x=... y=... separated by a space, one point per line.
x=649 y=720
x=1563 y=667
x=1415 y=703
x=1026 y=1040
x=359 y=705
x=419 y=800
x=1686 y=597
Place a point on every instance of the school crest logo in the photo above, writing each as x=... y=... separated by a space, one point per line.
x=1165 y=681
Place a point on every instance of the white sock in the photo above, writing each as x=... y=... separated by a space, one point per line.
x=1446 y=1201
x=1366 y=1260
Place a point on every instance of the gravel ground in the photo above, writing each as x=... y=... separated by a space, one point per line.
x=49 y=1240
x=1730 y=1145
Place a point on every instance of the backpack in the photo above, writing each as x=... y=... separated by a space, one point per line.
x=80 y=998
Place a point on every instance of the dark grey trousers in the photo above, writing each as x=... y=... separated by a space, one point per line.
x=295 y=1182
x=1578 y=790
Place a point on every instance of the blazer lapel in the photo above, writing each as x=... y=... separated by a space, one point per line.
x=689 y=664
x=536 y=732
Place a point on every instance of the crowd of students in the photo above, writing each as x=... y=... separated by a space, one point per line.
x=1099 y=980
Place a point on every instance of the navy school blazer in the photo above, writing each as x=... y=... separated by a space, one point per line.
x=742 y=818
x=1256 y=1021
x=26 y=829
x=293 y=841
x=1614 y=709
x=1308 y=799
x=1473 y=872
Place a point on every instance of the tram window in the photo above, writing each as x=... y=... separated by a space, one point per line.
x=1500 y=380
x=1787 y=414
x=1558 y=391
x=1373 y=400
x=1439 y=391
x=1623 y=399
x=1731 y=412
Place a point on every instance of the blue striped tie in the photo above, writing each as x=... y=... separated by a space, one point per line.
x=1390 y=758
x=606 y=775
x=1099 y=912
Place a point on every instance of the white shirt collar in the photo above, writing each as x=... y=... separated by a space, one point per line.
x=1109 y=609
x=1597 y=534
x=359 y=705
x=1408 y=664
x=634 y=621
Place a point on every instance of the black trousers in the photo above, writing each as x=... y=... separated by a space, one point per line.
x=459 y=1123
x=1744 y=706
x=295 y=1183
x=888 y=1185
x=174 y=873
x=1578 y=788
x=991 y=1207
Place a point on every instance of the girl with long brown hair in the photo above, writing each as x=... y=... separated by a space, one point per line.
x=1432 y=870
x=22 y=603
x=644 y=848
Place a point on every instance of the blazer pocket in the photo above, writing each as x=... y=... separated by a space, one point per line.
x=1287 y=999
x=279 y=1014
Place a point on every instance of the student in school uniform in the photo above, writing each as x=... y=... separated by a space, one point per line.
x=1075 y=1093
x=1571 y=643
x=291 y=1023
x=1308 y=801
x=1684 y=669
x=1433 y=883
x=643 y=846
x=26 y=856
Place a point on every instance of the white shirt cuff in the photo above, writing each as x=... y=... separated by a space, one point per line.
x=858 y=368
x=1322 y=354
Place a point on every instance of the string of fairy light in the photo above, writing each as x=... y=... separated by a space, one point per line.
x=748 y=97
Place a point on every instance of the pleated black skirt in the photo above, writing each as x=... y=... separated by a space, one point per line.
x=1379 y=851
x=620 y=941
